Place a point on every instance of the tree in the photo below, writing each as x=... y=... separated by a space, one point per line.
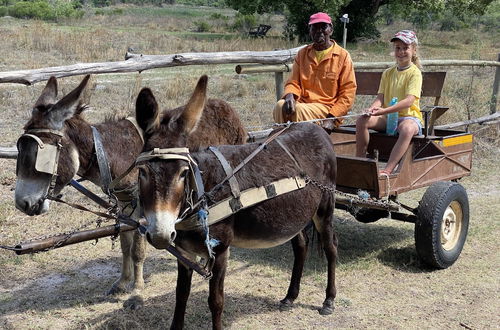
x=362 y=13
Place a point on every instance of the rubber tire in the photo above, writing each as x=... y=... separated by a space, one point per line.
x=429 y=222
x=367 y=215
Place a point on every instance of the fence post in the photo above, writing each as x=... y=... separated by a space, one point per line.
x=494 y=94
x=278 y=79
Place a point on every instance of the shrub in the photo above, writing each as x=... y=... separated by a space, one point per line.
x=4 y=11
x=36 y=9
x=243 y=23
x=202 y=26
x=218 y=16
x=41 y=9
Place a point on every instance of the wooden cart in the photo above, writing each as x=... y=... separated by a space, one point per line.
x=436 y=160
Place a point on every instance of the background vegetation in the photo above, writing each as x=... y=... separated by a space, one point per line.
x=381 y=283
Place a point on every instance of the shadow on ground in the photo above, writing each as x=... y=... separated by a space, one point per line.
x=74 y=287
x=158 y=312
x=356 y=241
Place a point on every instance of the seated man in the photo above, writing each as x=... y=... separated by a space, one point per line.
x=322 y=83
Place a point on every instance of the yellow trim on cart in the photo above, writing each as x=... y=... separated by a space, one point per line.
x=453 y=141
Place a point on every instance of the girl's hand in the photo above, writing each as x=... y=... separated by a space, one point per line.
x=372 y=111
x=377 y=111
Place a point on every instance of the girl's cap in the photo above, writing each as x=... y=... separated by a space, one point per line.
x=406 y=36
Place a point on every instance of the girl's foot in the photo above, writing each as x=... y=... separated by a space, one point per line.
x=384 y=173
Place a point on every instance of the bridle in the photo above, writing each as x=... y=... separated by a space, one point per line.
x=47 y=156
x=195 y=183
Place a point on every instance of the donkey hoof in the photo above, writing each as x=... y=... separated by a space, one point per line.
x=286 y=305
x=326 y=310
x=116 y=290
x=134 y=303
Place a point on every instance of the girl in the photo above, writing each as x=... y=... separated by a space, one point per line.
x=403 y=81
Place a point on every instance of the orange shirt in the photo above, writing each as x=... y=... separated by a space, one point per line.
x=330 y=82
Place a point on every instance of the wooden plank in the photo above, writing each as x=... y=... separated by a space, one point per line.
x=139 y=63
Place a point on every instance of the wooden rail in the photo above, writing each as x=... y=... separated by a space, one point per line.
x=139 y=63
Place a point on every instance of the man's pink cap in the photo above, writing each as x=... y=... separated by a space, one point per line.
x=320 y=18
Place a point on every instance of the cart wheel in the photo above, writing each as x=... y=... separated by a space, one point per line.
x=442 y=224
x=367 y=215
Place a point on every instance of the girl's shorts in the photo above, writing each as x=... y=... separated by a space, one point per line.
x=415 y=119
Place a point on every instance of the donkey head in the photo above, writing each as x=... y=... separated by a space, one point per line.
x=47 y=159
x=164 y=165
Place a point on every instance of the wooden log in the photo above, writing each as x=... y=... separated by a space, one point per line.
x=479 y=120
x=241 y=69
x=259 y=68
x=139 y=63
x=494 y=94
x=8 y=152
x=61 y=240
x=385 y=65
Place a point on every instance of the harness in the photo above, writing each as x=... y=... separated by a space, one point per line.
x=196 y=214
x=47 y=156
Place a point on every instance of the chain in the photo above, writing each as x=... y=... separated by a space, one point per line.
x=353 y=199
x=330 y=189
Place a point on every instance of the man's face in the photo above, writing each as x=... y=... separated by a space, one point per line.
x=320 y=33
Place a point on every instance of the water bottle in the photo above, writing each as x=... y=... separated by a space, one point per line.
x=392 y=119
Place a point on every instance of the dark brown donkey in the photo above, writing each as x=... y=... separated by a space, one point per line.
x=61 y=122
x=165 y=182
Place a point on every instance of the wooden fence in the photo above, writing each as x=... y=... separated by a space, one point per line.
x=266 y=61
x=277 y=62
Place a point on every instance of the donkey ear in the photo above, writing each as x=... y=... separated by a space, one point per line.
x=146 y=110
x=49 y=93
x=191 y=115
x=68 y=105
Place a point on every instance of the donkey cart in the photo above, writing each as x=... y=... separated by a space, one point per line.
x=435 y=161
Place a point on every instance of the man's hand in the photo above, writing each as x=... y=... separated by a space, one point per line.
x=329 y=125
x=289 y=105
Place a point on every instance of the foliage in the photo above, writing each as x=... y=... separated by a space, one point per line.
x=243 y=23
x=363 y=13
x=491 y=18
x=41 y=9
x=202 y=26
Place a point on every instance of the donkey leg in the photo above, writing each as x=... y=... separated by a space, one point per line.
x=216 y=288
x=182 y=291
x=329 y=243
x=138 y=254
x=299 y=245
x=120 y=285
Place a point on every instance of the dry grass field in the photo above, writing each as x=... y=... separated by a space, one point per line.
x=380 y=281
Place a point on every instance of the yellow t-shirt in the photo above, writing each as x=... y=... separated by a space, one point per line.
x=320 y=54
x=398 y=84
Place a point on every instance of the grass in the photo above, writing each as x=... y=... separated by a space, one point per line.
x=380 y=281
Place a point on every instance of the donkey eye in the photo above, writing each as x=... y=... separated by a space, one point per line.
x=184 y=174
x=142 y=171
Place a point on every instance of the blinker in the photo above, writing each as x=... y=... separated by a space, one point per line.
x=46 y=157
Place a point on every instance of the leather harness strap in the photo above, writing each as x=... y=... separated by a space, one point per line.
x=282 y=145
x=249 y=197
x=102 y=161
x=136 y=125
x=233 y=183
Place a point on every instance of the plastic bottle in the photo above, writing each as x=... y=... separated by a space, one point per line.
x=392 y=119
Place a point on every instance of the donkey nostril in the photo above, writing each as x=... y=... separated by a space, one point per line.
x=173 y=235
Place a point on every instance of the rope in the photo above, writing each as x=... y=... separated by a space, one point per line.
x=305 y=121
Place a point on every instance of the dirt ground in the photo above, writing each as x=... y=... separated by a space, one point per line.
x=380 y=281
x=381 y=284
